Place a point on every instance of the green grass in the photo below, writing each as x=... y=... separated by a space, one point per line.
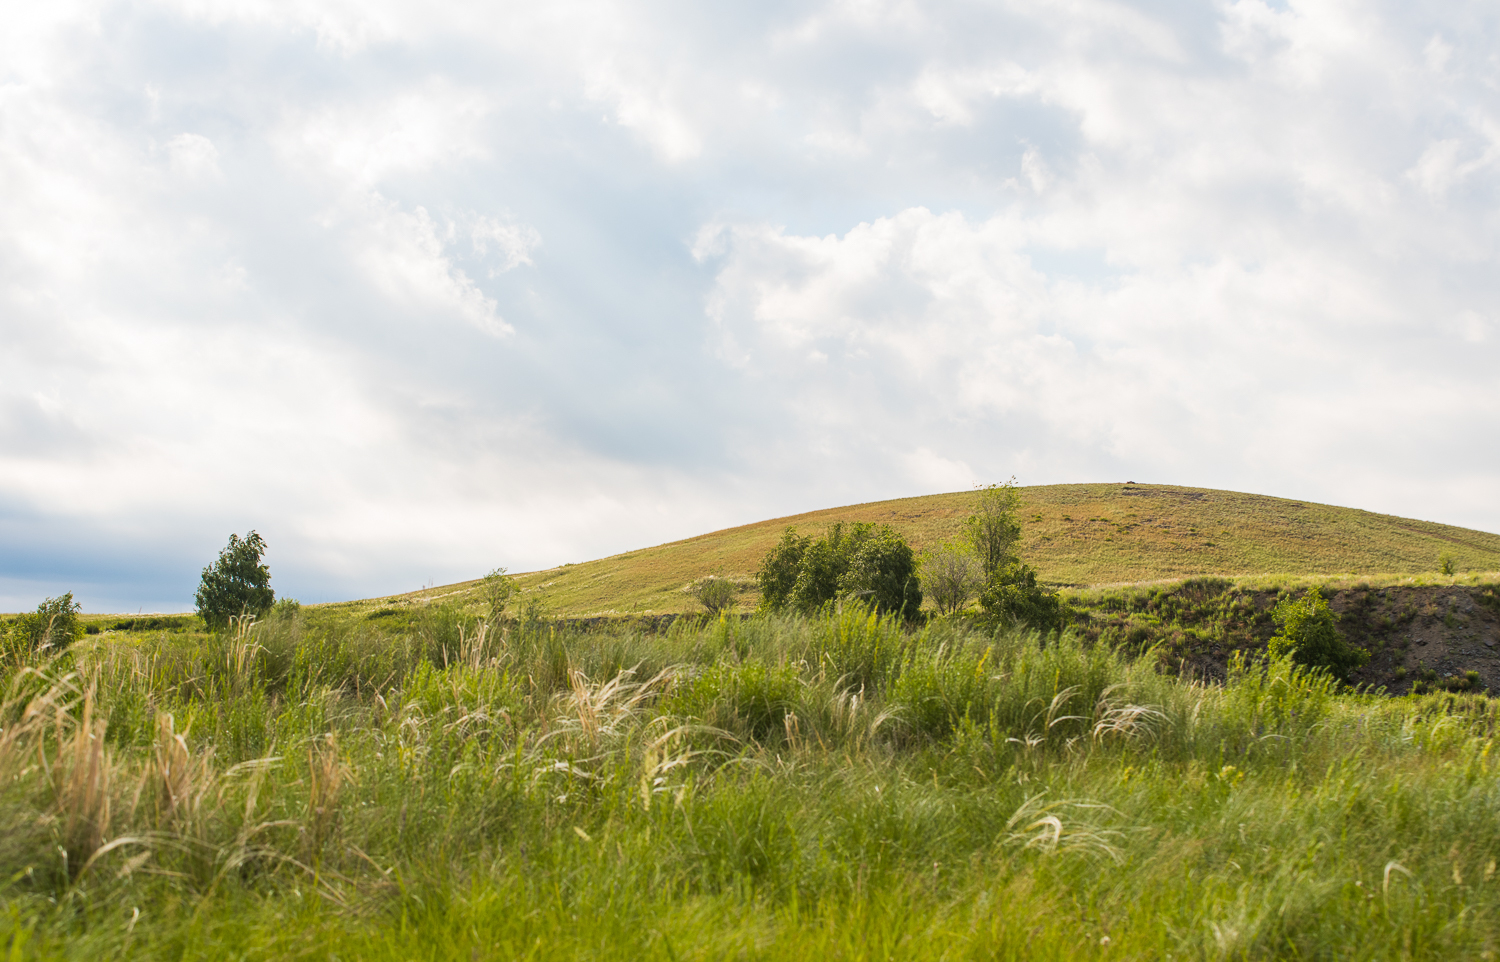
x=1074 y=534
x=328 y=786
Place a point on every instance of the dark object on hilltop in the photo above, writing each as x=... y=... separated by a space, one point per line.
x=861 y=561
x=50 y=629
x=237 y=585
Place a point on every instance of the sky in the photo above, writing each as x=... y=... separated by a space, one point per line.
x=420 y=290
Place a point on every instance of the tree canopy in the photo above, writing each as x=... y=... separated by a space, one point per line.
x=857 y=560
x=237 y=585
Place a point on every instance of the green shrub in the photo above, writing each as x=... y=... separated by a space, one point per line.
x=1015 y=598
x=860 y=560
x=715 y=594
x=777 y=576
x=883 y=570
x=497 y=588
x=51 y=628
x=237 y=585
x=1310 y=636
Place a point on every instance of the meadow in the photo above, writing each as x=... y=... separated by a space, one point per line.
x=326 y=786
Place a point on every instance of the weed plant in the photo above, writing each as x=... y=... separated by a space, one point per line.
x=437 y=786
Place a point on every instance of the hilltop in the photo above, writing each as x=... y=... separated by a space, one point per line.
x=1077 y=535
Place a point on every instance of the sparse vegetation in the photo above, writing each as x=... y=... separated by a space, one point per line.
x=497 y=589
x=993 y=529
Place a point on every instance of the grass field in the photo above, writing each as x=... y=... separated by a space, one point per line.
x=323 y=788
x=1074 y=534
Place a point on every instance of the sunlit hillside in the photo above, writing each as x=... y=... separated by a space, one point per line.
x=1075 y=534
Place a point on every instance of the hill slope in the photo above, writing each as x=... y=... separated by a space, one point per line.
x=1075 y=534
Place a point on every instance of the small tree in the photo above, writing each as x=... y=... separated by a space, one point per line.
x=52 y=627
x=993 y=530
x=951 y=576
x=237 y=585
x=497 y=588
x=1309 y=633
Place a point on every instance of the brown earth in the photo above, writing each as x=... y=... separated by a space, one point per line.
x=1420 y=637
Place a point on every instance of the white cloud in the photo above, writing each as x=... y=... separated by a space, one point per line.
x=514 y=242
x=361 y=144
x=193 y=156
x=647 y=109
x=404 y=256
x=931 y=321
x=407 y=283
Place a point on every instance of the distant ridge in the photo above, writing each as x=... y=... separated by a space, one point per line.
x=1075 y=534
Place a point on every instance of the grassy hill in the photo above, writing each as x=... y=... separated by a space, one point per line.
x=1075 y=534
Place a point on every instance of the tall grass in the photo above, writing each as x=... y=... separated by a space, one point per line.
x=773 y=787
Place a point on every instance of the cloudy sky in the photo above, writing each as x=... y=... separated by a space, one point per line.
x=417 y=290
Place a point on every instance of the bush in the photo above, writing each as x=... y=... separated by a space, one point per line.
x=883 y=571
x=237 y=585
x=872 y=563
x=715 y=594
x=778 y=572
x=497 y=588
x=53 y=626
x=1014 y=598
x=951 y=575
x=1309 y=634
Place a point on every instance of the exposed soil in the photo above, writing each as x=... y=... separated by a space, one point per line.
x=1434 y=633
x=1419 y=637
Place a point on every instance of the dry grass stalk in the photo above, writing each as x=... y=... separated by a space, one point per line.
x=180 y=780
x=327 y=774
x=23 y=719
x=596 y=711
x=1039 y=827
x=1123 y=721
x=240 y=659
x=81 y=775
x=472 y=649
